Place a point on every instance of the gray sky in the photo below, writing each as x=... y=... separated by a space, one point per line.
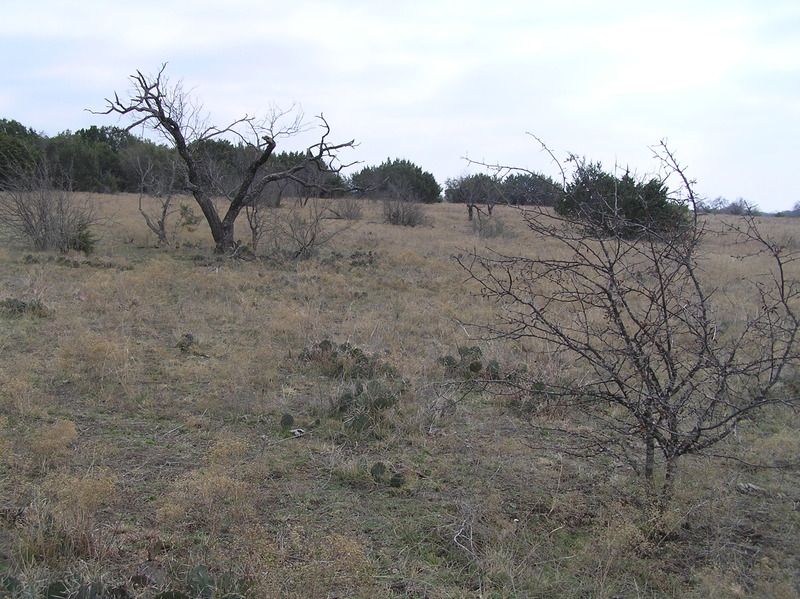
x=434 y=81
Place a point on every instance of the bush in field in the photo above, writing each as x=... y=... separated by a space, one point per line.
x=403 y=212
x=346 y=361
x=386 y=179
x=612 y=206
x=469 y=364
x=297 y=233
x=490 y=227
x=37 y=206
x=661 y=368
x=363 y=407
x=348 y=209
x=18 y=307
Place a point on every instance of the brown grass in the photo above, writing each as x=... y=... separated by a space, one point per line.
x=124 y=448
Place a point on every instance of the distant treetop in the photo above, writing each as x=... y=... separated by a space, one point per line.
x=398 y=178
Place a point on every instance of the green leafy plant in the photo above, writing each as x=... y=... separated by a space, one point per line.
x=361 y=258
x=18 y=307
x=378 y=471
x=470 y=364
x=200 y=582
x=363 y=406
x=389 y=178
x=187 y=218
x=344 y=361
x=82 y=239
x=612 y=206
x=287 y=421
x=66 y=588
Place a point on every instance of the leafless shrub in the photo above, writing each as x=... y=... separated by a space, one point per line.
x=160 y=182
x=349 y=208
x=401 y=206
x=490 y=227
x=257 y=220
x=37 y=206
x=297 y=233
x=660 y=367
x=403 y=212
x=261 y=214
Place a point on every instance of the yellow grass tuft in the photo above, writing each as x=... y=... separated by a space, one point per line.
x=53 y=441
x=20 y=396
x=208 y=500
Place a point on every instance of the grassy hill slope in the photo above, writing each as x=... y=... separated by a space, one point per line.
x=148 y=398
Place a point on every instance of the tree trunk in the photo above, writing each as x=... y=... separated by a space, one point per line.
x=212 y=217
x=227 y=241
x=670 y=474
x=649 y=458
x=645 y=420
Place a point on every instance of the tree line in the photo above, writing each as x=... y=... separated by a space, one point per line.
x=110 y=159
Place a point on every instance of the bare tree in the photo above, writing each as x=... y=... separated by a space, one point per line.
x=655 y=363
x=169 y=110
x=311 y=182
x=161 y=182
x=474 y=191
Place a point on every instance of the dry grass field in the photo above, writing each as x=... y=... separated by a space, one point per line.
x=148 y=398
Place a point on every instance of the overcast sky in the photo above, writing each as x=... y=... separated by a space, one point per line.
x=433 y=81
